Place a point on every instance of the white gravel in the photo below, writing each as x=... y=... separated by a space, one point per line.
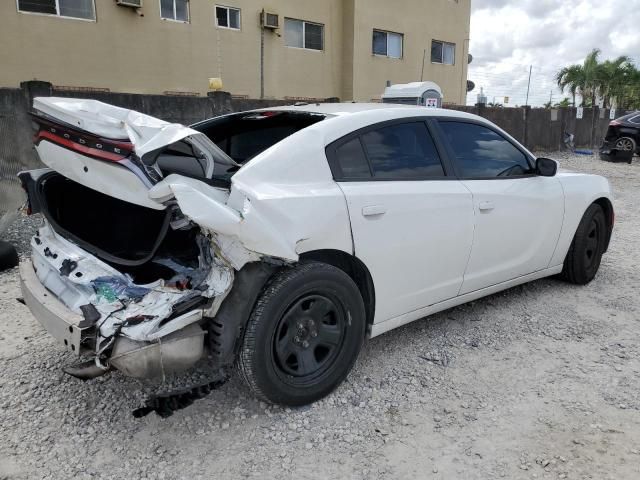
x=540 y=381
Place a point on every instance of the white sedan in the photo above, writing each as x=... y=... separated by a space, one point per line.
x=281 y=239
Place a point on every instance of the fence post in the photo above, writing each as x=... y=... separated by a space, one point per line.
x=35 y=88
x=220 y=102
x=525 y=133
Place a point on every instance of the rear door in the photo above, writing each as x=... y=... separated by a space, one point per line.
x=518 y=214
x=412 y=224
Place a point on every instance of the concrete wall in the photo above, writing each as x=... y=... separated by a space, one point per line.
x=125 y=52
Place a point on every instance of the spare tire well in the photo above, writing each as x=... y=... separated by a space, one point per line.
x=353 y=267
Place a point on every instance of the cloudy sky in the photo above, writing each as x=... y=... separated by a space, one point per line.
x=509 y=35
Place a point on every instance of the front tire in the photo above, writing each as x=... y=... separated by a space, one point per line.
x=303 y=335
x=583 y=258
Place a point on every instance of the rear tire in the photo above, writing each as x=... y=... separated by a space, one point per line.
x=583 y=258
x=626 y=144
x=303 y=336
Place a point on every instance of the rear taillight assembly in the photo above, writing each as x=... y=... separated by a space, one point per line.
x=81 y=142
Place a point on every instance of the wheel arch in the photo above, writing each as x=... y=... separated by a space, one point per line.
x=356 y=269
x=607 y=207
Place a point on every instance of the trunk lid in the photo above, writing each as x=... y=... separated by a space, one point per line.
x=118 y=151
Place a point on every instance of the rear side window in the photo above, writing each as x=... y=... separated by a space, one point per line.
x=351 y=160
x=479 y=152
x=403 y=151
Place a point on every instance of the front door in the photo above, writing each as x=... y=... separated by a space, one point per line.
x=518 y=215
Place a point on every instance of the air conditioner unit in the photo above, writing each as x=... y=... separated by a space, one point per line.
x=130 y=3
x=270 y=20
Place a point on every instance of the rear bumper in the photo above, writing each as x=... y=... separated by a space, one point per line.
x=53 y=315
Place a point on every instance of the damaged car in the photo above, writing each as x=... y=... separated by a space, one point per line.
x=278 y=240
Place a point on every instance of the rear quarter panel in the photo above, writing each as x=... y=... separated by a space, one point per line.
x=580 y=191
x=291 y=188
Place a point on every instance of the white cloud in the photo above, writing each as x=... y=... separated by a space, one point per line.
x=507 y=37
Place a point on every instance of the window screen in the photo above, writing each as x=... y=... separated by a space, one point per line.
x=387 y=43
x=402 y=151
x=482 y=153
x=228 y=17
x=301 y=34
x=293 y=33
x=443 y=52
x=313 y=36
x=175 y=10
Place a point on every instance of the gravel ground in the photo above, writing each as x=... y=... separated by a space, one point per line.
x=540 y=381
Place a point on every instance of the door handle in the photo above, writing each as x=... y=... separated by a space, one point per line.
x=372 y=210
x=485 y=206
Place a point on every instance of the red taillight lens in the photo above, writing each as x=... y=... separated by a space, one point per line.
x=82 y=142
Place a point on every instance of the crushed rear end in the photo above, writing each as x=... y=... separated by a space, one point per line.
x=142 y=237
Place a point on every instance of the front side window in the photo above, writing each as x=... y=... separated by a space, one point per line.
x=301 y=34
x=84 y=9
x=387 y=43
x=228 y=17
x=479 y=152
x=177 y=10
x=443 y=52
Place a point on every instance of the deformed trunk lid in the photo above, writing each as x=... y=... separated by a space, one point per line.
x=146 y=133
x=112 y=149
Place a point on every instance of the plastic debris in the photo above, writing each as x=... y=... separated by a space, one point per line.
x=114 y=288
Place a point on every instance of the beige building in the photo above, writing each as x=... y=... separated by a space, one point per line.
x=321 y=48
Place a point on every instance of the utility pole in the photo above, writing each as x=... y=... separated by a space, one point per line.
x=526 y=103
x=261 y=55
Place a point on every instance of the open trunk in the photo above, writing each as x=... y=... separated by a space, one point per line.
x=144 y=232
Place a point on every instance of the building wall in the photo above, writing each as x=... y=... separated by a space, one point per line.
x=125 y=52
x=420 y=22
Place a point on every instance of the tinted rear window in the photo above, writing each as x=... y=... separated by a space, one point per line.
x=351 y=160
x=402 y=151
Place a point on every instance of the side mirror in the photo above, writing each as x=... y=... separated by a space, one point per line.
x=545 y=167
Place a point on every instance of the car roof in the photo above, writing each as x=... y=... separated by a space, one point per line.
x=629 y=116
x=398 y=110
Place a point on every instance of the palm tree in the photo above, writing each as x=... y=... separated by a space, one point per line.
x=615 y=81
x=613 y=75
x=571 y=78
x=582 y=79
